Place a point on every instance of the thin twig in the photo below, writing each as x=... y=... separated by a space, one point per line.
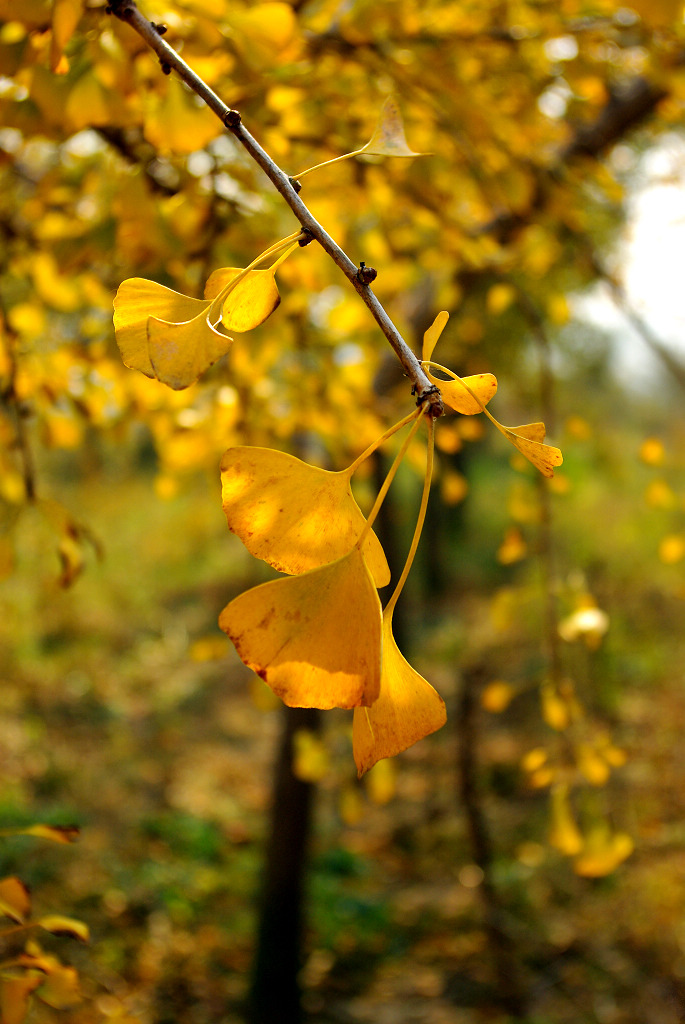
x=126 y=10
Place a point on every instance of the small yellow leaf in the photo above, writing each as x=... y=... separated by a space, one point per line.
x=381 y=782
x=65 y=18
x=652 y=451
x=388 y=138
x=60 y=990
x=591 y=765
x=134 y=303
x=310 y=756
x=293 y=515
x=543 y=456
x=672 y=549
x=406 y=710
x=15 y=995
x=315 y=639
x=15 y=901
x=497 y=696
x=602 y=852
x=58 y=925
x=431 y=336
x=248 y=305
x=513 y=548
x=500 y=297
x=56 y=833
x=564 y=834
x=180 y=352
x=177 y=123
x=456 y=395
x=555 y=710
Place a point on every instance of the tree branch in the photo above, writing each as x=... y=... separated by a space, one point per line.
x=126 y=10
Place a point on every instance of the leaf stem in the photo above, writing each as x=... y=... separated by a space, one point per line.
x=326 y=163
x=390 y=606
x=126 y=10
x=289 y=244
x=380 y=497
x=378 y=442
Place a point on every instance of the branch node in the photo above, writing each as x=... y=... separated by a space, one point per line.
x=307 y=237
x=120 y=8
x=295 y=184
x=232 y=119
x=433 y=396
x=166 y=68
x=366 y=274
x=159 y=29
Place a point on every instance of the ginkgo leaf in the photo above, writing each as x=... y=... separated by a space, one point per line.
x=456 y=396
x=15 y=996
x=60 y=990
x=531 y=431
x=315 y=639
x=432 y=335
x=564 y=834
x=388 y=138
x=58 y=925
x=602 y=852
x=135 y=302
x=55 y=833
x=177 y=123
x=248 y=305
x=407 y=709
x=65 y=17
x=543 y=456
x=293 y=515
x=15 y=901
x=180 y=352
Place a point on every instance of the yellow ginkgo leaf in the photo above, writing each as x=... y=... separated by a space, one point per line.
x=432 y=335
x=457 y=397
x=388 y=138
x=564 y=834
x=65 y=17
x=177 y=123
x=602 y=852
x=315 y=639
x=543 y=456
x=293 y=515
x=134 y=303
x=531 y=431
x=180 y=352
x=15 y=901
x=407 y=709
x=250 y=302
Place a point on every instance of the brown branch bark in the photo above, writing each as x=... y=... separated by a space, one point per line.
x=126 y=10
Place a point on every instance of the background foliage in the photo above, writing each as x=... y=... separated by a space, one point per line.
x=122 y=707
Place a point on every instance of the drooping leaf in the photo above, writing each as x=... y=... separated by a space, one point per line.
x=180 y=352
x=65 y=18
x=252 y=300
x=315 y=639
x=388 y=138
x=58 y=925
x=15 y=995
x=564 y=834
x=407 y=709
x=293 y=515
x=55 y=833
x=543 y=456
x=432 y=335
x=15 y=901
x=134 y=303
x=602 y=852
x=60 y=990
x=457 y=397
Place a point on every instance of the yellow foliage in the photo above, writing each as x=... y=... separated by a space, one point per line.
x=406 y=709
x=497 y=696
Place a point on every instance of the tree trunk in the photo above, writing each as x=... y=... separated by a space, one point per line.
x=275 y=990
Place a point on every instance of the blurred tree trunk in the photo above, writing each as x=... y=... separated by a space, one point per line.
x=275 y=991
x=506 y=963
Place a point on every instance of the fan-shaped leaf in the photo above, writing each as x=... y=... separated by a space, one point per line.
x=180 y=352
x=248 y=305
x=543 y=456
x=407 y=709
x=135 y=301
x=388 y=138
x=483 y=386
x=15 y=901
x=315 y=639
x=293 y=515
x=431 y=336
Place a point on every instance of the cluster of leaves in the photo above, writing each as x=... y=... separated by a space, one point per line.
x=32 y=971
